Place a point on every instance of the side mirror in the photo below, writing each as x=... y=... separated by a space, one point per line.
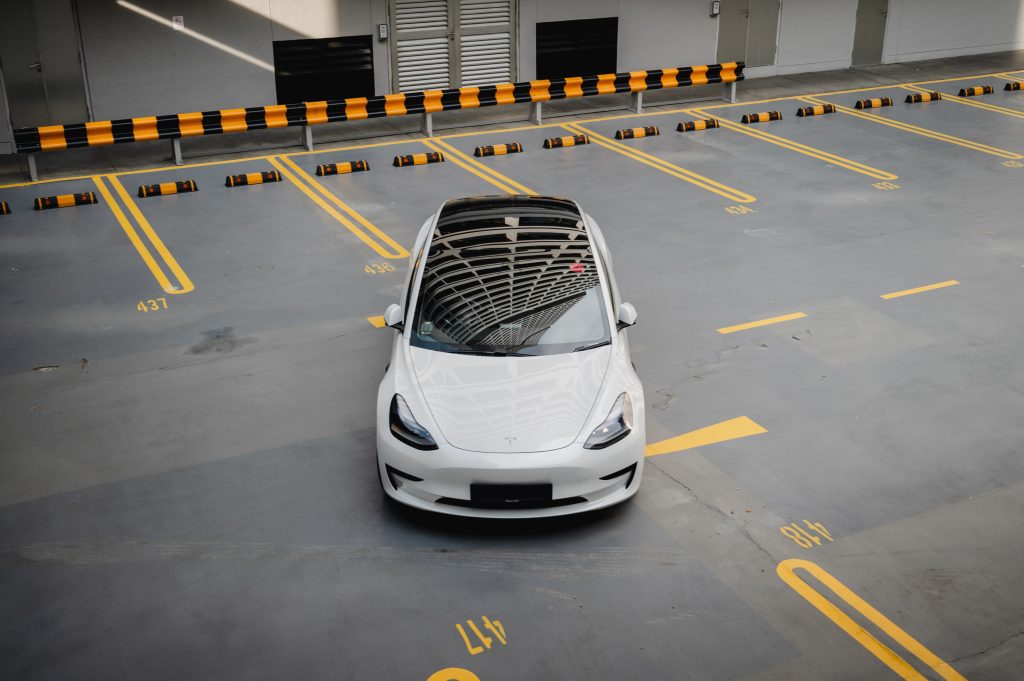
x=627 y=316
x=394 y=317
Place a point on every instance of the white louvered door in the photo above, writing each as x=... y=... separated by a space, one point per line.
x=485 y=41
x=451 y=43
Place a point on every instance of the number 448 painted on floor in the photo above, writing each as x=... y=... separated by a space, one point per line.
x=494 y=627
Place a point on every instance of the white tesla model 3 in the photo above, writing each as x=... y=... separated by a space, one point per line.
x=510 y=391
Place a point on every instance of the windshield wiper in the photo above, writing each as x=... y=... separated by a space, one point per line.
x=488 y=353
x=593 y=345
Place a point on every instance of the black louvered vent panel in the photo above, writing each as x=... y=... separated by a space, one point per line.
x=577 y=48
x=325 y=68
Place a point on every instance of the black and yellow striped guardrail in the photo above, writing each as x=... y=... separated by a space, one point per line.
x=172 y=126
x=816 y=110
x=636 y=133
x=570 y=141
x=761 y=117
x=418 y=159
x=690 y=126
x=499 y=149
x=873 y=103
x=342 y=168
x=4 y=208
x=65 y=200
x=165 y=188
x=1012 y=87
x=261 y=177
x=919 y=97
x=975 y=91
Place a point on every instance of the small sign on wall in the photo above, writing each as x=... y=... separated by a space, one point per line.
x=178 y=23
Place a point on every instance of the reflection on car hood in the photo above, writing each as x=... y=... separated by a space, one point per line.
x=510 y=404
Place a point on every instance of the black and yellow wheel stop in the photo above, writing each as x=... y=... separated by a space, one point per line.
x=342 y=168
x=165 y=188
x=65 y=200
x=636 y=133
x=762 y=117
x=4 y=208
x=1013 y=87
x=817 y=110
x=252 y=178
x=499 y=149
x=571 y=141
x=975 y=91
x=690 y=126
x=919 y=97
x=418 y=159
x=873 y=103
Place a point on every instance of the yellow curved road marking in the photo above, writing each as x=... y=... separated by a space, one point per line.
x=906 y=127
x=709 y=435
x=801 y=148
x=787 y=572
x=663 y=165
x=294 y=174
x=479 y=169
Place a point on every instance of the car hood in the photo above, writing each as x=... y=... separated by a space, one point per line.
x=510 y=404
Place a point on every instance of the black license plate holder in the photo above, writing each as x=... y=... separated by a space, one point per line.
x=510 y=493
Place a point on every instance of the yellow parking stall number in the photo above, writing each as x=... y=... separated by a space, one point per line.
x=151 y=305
x=1014 y=164
x=885 y=186
x=378 y=268
x=807 y=536
x=738 y=210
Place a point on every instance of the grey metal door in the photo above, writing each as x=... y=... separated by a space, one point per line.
x=42 y=68
x=762 y=32
x=869 y=35
x=732 y=30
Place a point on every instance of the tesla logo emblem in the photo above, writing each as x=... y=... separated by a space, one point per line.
x=576 y=267
x=510 y=440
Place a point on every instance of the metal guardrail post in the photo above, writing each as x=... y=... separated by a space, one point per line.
x=427 y=127
x=637 y=104
x=535 y=112
x=307 y=137
x=32 y=174
x=729 y=94
x=176 y=150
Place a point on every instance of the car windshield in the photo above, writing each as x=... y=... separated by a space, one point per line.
x=510 y=285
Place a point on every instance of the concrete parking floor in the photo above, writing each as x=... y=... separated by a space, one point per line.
x=829 y=337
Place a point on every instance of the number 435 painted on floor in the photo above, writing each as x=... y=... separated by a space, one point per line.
x=494 y=627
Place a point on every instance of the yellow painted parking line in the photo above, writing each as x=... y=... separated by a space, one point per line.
x=919 y=289
x=1011 y=77
x=761 y=322
x=378 y=321
x=804 y=149
x=184 y=283
x=970 y=102
x=787 y=572
x=390 y=249
x=134 y=237
x=917 y=130
x=732 y=429
x=486 y=173
x=663 y=165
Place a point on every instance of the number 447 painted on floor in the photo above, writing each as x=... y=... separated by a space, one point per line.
x=494 y=627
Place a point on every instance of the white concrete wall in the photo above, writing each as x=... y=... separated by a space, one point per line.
x=932 y=29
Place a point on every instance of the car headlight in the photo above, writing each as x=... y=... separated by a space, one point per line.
x=406 y=428
x=617 y=426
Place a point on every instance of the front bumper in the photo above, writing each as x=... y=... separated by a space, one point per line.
x=581 y=479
